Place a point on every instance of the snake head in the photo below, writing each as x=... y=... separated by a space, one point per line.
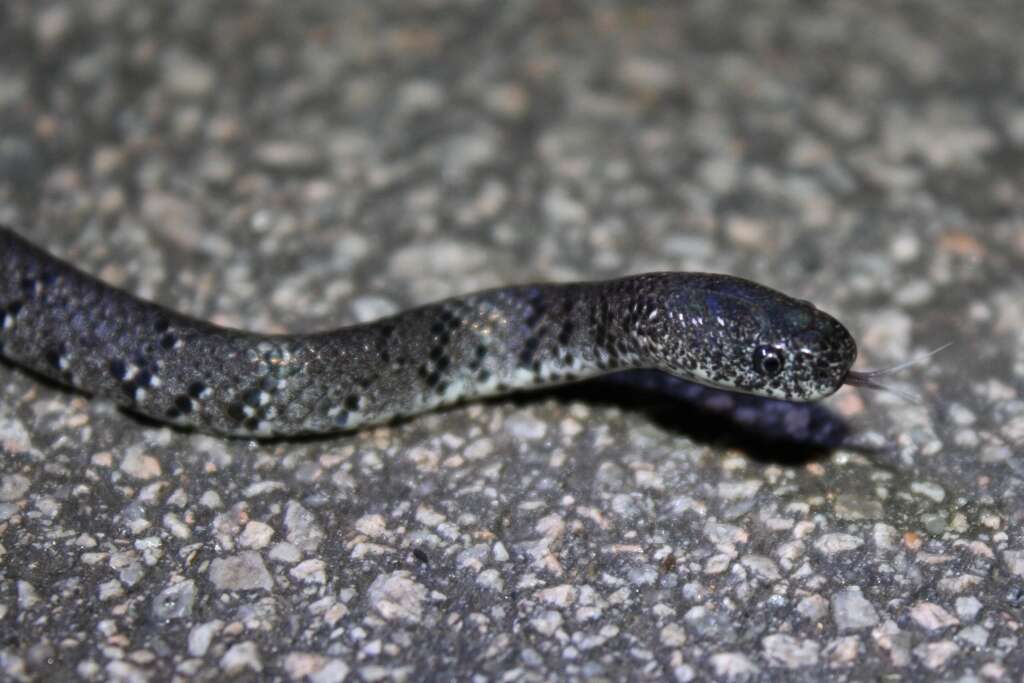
x=734 y=334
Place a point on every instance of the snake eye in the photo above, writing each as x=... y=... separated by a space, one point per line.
x=768 y=361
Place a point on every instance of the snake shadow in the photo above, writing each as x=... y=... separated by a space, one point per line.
x=767 y=430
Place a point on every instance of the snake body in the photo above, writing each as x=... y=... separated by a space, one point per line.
x=718 y=330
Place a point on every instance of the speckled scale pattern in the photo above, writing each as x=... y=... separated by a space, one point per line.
x=73 y=328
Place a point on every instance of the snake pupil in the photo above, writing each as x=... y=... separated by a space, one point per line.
x=767 y=360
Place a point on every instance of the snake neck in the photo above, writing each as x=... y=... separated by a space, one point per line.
x=514 y=338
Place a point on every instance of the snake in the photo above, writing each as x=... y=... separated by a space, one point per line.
x=717 y=330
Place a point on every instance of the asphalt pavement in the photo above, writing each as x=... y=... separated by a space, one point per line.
x=298 y=166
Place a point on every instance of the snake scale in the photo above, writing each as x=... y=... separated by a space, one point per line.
x=717 y=330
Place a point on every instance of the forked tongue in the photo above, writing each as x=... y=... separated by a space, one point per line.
x=867 y=378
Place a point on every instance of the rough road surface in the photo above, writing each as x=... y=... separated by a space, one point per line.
x=285 y=166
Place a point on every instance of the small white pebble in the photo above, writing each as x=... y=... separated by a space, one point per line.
x=833 y=544
x=932 y=617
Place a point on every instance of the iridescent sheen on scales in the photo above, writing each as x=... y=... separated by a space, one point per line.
x=718 y=330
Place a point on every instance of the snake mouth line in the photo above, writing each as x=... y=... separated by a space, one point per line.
x=867 y=378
